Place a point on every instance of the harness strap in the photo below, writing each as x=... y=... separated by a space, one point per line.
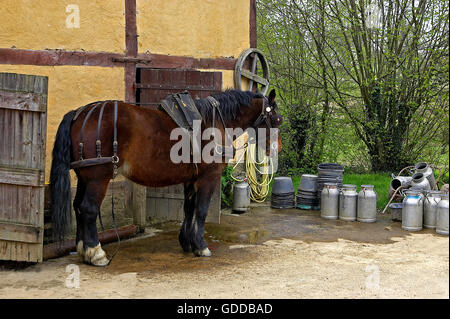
x=215 y=105
x=98 y=143
x=115 y=143
x=82 y=129
x=98 y=146
x=78 y=112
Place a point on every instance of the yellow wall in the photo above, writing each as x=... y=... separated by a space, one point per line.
x=70 y=87
x=40 y=25
x=198 y=28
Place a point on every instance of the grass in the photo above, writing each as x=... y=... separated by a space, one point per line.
x=379 y=180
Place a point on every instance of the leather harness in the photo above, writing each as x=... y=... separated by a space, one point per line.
x=114 y=159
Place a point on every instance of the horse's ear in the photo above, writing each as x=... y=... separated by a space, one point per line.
x=272 y=96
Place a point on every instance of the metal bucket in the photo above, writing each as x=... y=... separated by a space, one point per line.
x=329 y=201
x=308 y=183
x=282 y=185
x=348 y=199
x=283 y=195
x=412 y=211
x=367 y=204
x=442 y=216
x=329 y=173
x=307 y=195
x=430 y=206
x=419 y=181
x=396 y=211
x=427 y=171
x=241 y=197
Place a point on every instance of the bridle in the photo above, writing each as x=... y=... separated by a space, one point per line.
x=267 y=109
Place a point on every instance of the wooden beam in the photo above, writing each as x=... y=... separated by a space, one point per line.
x=130 y=28
x=58 y=57
x=253 y=34
x=139 y=206
x=131 y=50
x=21 y=101
x=21 y=176
x=20 y=233
x=162 y=61
x=105 y=59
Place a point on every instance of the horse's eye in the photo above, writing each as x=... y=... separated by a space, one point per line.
x=268 y=109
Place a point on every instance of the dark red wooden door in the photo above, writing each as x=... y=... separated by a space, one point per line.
x=153 y=85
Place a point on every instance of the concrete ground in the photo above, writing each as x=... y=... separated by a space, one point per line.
x=264 y=253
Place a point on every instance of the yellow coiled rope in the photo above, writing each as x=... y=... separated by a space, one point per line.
x=259 y=174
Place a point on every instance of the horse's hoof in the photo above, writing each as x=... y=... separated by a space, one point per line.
x=96 y=256
x=80 y=249
x=202 y=252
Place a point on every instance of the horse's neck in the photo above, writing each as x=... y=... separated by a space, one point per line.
x=247 y=117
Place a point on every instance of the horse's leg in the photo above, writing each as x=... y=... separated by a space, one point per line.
x=90 y=208
x=189 y=205
x=205 y=189
x=81 y=187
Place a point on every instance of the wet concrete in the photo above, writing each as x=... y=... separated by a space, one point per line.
x=162 y=253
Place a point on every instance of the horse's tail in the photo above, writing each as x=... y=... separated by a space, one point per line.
x=60 y=179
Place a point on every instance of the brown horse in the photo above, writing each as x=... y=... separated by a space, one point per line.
x=143 y=149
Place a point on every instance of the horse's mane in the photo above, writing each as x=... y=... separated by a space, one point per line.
x=230 y=101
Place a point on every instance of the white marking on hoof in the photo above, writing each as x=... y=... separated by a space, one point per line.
x=96 y=256
x=203 y=253
x=80 y=249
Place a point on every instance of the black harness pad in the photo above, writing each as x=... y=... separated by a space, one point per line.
x=181 y=108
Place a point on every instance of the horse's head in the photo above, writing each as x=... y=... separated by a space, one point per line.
x=269 y=119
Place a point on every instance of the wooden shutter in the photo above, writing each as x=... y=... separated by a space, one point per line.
x=23 y=107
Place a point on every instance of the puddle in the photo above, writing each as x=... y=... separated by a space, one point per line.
x=162 y=253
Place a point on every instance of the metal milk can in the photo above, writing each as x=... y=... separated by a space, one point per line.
x=329 y=201
x=427 y=172
x=412 y=211
x=442 y=216
x=419 y=181
x=348 y=198
x=367 y=204
x=241 y=197
x=430 y=205
x=397 y=182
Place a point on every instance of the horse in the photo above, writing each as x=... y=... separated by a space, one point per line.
x=142 y=155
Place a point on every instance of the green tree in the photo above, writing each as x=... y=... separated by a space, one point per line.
x=383 y=64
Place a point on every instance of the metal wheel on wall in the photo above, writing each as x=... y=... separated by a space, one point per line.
x=251 y=57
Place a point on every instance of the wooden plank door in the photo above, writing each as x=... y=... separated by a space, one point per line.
x=153 y=85
x=23 y=117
